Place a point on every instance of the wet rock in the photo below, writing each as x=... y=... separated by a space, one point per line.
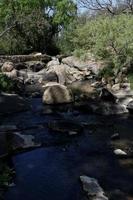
x=67 y=74
x=19 y=141
x=92 y=188
x=16 y=104
x=3 y=145
x=115 y=136
x=89 y=64
x=35 y=66
x=66 y=126
x=21 y=66
x=120 y=152
x=56 y=94
x=117 y=195
x=108 y=108
x=7 y=128
x=7 y=67
x=13 y=74
x=116 y=87
x=130 y=107
x=106 y=95
x=34 y=90
x=48 y=77
x=83 y=88
x=54 y=61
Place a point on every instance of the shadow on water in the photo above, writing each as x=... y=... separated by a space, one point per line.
x=53 y=170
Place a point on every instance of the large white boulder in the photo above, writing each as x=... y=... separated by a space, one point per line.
x=56 y=94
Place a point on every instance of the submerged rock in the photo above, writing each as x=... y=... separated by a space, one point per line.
x=120 y=152
x=11 y=103
x=65 y=126
x=130 y=107
x=57 y=94
x=92 y=188
x=115 y=136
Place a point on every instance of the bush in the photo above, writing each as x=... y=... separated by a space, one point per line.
x=108 y=38
x=6 y=84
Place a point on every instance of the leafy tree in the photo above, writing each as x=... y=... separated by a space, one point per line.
x=32 y=25
x=108 y=38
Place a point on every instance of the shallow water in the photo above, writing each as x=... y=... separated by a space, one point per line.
x=52 y=171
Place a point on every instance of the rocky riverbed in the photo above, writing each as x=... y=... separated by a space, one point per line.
x=66 y=134
x=50 y=147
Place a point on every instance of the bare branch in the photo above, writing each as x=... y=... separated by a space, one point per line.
x=7 y=29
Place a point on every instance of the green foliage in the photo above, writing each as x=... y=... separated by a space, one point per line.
x=36 y=24
x=108 y=38
x=106 y=72
x=130 y=79
x=5 y=175
x=6 y=84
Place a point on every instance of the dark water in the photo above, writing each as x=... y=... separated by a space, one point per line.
x=52 y=171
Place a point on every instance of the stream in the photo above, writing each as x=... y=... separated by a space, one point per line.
x=51 y=169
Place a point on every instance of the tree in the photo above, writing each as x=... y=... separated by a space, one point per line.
x=108 y=6
x=32 y=25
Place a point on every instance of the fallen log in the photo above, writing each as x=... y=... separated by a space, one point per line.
x=24 y=58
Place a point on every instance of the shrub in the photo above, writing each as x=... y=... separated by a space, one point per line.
x=108 y=38
x=6 y=84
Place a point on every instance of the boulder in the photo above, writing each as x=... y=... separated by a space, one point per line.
x=7 y=67
x=65 y=126
x=109 y=108
x=35 y=66
x=120 y=152
x=130 y=107
x=57 y=94
x=54 y=61
x=12 y=103
x=13 y=74
x=67 y=75
x=92 y=188
x=83 y=88
x=89 y=63
x=48 y=77
x=106 y=95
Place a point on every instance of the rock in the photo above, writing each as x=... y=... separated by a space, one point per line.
x=57 y=94
x=89 y=64
x=83 y=88
x=23 y=141
x=120 y=152
x=34 y=89
x=16 y=104
x=67 y=75
x=130 y=107
x=49 y=77
x=92 y=188
x=54 y=61
x=3 y=145
x=35 y=66
x=106 y=95
x=109 y=108
x=7 y=67
x=72 y=132
x=115 y=136
x=118 y=195
x=21 y=66
x=13 y=74
x=66 y=126
x=116 y=87
x=8 y=128
x=126 y=86
x=38 y=54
